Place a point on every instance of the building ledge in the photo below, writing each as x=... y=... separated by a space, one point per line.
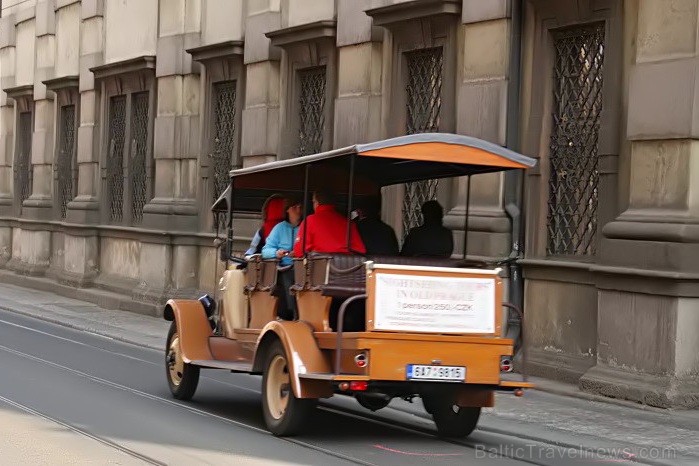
x=303 y=33
x=216 y=51
x=63 y=82
x=132 y=65
x=19 y=92
x=401 y=12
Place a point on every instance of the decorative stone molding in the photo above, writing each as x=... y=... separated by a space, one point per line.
x=206 y=53
x=145 y=63
x=302 y=33
x=21 y=95
x=64 y=85
x=406 y=11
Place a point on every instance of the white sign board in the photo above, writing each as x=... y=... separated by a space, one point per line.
x=434 y=304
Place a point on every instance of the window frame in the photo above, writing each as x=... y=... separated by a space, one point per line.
x=66 y=94
x=537 y=109
x=222 y=62
x=126 y=79
x=304 y=47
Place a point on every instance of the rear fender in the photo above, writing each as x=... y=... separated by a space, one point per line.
x=192 y=327
x=303 y=352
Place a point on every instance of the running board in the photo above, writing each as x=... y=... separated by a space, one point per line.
x=228 y=365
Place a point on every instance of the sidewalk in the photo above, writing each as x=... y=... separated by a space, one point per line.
x=555 y=413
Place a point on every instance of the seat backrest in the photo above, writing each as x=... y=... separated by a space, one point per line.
x=268 y=275
x=260 y=275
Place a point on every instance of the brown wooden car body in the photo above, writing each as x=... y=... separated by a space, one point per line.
x=322 y=360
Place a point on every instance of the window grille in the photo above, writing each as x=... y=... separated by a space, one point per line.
x=311 y=110
x=115 y=158
x=574 y=159
x=424 y=102
x=223 y=136
x=65 y=162
x=139 y=152
x=23 y=168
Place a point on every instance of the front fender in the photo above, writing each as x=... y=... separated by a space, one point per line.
x=192 y=327
x=304 y=355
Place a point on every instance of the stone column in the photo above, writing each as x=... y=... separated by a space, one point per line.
x=176 y=133
x=85 y=207
x=360 y=57
x=482 y=88
x=7 y=117
x=39 y=204
x=648 y=279
x=260 y=136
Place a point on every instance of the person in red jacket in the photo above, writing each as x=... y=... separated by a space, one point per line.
x=326 y=230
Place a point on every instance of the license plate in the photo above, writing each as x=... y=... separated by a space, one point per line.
x=423 y=372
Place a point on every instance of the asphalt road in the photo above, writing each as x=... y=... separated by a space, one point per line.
x=111 y=403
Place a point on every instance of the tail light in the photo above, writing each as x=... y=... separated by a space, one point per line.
x=506 y=364
x=359 y=386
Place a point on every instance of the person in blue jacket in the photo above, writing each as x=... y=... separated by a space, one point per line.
x=279 y=245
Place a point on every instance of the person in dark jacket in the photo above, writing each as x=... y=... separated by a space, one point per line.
x=378 y=237
x=431 y=238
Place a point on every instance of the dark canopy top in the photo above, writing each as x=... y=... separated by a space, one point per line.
x=392 y=161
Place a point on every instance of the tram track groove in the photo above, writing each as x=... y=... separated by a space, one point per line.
x=109 y=443
x=182 y=406
x=368 y=417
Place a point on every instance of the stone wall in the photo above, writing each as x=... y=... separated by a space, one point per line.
x=622 y=313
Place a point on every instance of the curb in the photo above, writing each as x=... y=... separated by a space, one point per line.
x=101 y=333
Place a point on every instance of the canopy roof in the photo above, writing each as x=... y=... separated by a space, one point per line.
x=403 y=159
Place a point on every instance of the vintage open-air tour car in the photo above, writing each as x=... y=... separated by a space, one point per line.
x=431 y=327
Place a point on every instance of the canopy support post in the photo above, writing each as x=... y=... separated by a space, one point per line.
x=229 y=225
x=350 y=194
x=305 y=207
x=468 y=201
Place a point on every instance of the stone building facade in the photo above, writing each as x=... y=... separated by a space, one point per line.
x=119 y=120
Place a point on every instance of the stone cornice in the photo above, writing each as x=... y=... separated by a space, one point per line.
x=401 y=12
x=216 y=51
x=19 y=92
x=63 y=82
x=132 y=65
x=302 y=33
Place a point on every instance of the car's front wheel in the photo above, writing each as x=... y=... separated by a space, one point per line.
x=182 y=378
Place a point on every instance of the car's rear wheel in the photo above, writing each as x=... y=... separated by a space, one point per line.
x=451 y=420
x=182 y=378
x=284 y=413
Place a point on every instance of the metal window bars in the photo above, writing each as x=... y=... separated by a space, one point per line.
x=23 y=162
x=574 y=159
x=311 y=110
x=423 y=106
x=115 y=158
x=139 y=153
x=222 y=140
x=65 y=163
